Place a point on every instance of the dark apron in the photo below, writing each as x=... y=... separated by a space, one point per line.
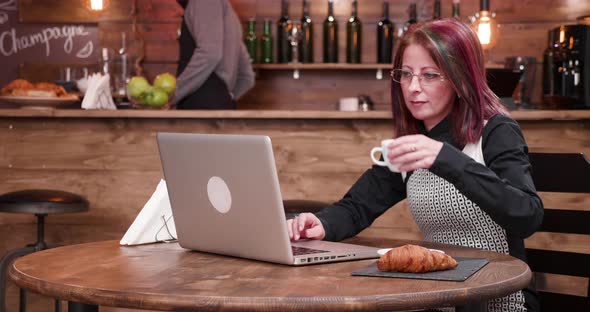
x=213 y=93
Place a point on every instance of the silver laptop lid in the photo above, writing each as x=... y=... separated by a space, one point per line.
x=225 y=195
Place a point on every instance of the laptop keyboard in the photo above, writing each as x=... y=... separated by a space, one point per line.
x=298 y=251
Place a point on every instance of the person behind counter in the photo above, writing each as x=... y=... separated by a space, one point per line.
x=464 y=162
x=214 y=66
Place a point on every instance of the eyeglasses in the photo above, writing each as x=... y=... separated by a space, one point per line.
x=404 y=77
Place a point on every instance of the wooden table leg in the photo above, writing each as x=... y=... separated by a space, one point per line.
x=22 y=299
x=81 y=307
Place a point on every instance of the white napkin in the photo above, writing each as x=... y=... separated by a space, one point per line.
x=149 y=225
x=98 y=95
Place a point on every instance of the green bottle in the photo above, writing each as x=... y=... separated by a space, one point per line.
x=266 y=48
x=250 y=41
x=353 y=36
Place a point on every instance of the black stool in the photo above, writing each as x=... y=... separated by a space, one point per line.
x=40 y=203
x=294 y=207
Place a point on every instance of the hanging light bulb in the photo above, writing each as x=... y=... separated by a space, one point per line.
x=485 y=25
x=96 y=5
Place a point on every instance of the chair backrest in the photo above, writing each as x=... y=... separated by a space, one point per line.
x=564 y=173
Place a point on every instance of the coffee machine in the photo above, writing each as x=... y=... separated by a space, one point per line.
x=566 y=68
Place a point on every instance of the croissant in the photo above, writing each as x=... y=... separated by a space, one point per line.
x=415 y=259
x=22 y=87
x=15 y=86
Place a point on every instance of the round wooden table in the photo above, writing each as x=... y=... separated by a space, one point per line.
x=167 y=277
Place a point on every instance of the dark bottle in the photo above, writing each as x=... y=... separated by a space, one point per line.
x=456 y=9
x=306 y=45
x=251 y=41
x=384 y=37
x=330 y=36
x=413 y=17
x=283 y=30
x=436 y=12
x=353 y=36
x=548 y=65
x=266 y=50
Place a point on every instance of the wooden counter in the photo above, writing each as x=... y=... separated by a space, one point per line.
x=261 y=114
x=111 y=158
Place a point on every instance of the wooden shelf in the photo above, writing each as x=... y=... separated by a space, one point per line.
x=520 y=115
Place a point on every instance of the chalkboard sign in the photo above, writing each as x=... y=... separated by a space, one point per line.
x=42 y=43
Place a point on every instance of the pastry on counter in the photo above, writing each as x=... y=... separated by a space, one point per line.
x=17 y=87
x=22 y=87
x=415 y=259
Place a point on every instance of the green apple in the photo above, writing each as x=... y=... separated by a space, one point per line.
x=156 y=98
x=142 y=98
x=137 y=85
x=165 y=82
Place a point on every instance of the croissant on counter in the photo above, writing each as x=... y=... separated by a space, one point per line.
x=22 y=87
x=415 y=259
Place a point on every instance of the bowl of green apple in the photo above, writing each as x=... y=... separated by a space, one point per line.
x=158 y=95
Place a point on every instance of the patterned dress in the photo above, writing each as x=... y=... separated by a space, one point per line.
x=444 y=215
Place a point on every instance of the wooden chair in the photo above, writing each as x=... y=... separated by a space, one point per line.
x=564 y=173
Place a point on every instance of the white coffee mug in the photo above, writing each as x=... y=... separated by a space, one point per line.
x=384 y=151
x=349 y=104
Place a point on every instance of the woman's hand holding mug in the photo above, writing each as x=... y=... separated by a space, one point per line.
x=407 y=153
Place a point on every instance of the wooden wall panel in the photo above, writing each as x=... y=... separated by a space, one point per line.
x=76 y=11
x=160 y=39
x=35 y=11
x=315 y=90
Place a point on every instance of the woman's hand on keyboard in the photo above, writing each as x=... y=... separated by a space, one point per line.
x=305 y=225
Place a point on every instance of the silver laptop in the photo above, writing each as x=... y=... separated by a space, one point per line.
x=225 y=199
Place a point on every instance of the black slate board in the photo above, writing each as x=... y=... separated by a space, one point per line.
x=465 y=268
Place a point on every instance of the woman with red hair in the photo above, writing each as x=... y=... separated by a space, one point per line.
x=464 y=162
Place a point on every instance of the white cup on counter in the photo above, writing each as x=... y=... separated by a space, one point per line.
x=348 y=104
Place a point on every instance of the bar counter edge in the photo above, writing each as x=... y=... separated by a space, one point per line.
x=261 y=114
